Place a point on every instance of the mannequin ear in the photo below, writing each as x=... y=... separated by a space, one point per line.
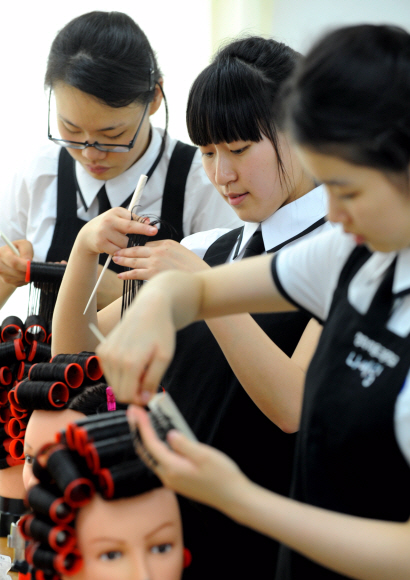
x=156 y=102
x=187 y=558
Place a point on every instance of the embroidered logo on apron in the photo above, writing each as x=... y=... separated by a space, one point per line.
x=370 y=369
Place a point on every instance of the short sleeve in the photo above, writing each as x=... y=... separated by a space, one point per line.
x=402 y=419
x=306 y=274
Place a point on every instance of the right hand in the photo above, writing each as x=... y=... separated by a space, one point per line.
x=192 y=469
x=107 y=233
x=13 y=268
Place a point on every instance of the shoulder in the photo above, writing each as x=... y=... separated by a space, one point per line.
x=201 y=241
x=43 y=162
x=307 y=273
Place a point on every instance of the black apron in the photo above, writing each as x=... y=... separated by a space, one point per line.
x=68 y=224
x=221 y=414
x=347 y=458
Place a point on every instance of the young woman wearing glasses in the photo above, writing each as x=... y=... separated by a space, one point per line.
x=106 y=82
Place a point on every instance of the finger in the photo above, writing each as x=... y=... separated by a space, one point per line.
x=153 y=374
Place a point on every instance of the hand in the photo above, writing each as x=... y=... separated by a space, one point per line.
x=155 y=257
x=107 y=233
x=134 y=362
x=192 y=469
x=13 y=268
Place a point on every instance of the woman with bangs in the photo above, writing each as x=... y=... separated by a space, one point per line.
x=225 y=371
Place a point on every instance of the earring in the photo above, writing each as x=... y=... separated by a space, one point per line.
x=187 y=558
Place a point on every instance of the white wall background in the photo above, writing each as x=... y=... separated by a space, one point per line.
x=183 y=33
x=300 y=22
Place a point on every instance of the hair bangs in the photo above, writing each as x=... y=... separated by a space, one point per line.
x=227 y=104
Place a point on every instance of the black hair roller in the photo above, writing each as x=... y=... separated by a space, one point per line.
x=70 y=373
x=6 y=376
x=9 y=461
x=45 y=281
x=45 y=395
x=37 y=574
x=50 y=503
x=49 y=332
x=58 y=537
x=77 y=489
x=12 y=327
x=11 y=351
x=35 y=329
x=108 y=452
x=127 y=479
x=21 y=370
x=89 y=362
x=96 y=428
x=16 y=428
x=39 y=352
x=62 y=562
x=16 y=448
x=4 y=397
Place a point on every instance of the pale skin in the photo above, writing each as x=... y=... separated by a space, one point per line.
x=81 y=117
x=371 y=207
x=135 y=538
x=276 y=382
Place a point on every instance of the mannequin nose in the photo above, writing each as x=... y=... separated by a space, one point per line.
x=139 y=569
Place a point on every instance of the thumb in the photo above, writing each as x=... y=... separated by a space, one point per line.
x=184 y=446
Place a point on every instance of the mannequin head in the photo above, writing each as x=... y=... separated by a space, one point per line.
x=122 y=523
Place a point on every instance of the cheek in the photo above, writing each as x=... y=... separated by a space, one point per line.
x=27 y=474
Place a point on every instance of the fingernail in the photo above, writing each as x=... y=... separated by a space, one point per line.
x=114 y=258
x=146 y=396
x=152 y=230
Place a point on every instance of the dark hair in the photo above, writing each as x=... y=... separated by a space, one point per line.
x=92 y=401
x=351 y=97
x=236 y=97
x=107 y=55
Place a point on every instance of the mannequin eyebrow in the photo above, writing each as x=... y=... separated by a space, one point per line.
x=164 y=525
x=338 y=182
x=111 y=128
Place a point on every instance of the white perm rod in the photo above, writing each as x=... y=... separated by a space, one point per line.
x=134 y=201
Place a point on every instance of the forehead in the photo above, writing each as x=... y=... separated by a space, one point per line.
x=337 y=172
x=85 y=111
x=43 y=425
x=127 y=519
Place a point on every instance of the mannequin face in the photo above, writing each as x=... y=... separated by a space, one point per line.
x=81 y=117
x=41 y=429
x=363 y=200
x=247 y=176
x=138 y=538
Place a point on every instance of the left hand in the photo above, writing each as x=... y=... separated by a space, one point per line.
x=155 y=257
x=192 y=469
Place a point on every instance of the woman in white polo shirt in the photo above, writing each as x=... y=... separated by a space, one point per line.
x=352 y=475
x=106 y=82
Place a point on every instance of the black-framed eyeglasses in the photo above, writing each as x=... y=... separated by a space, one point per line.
x=109 y=147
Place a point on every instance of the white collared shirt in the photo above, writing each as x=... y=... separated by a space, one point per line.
x=309 y=274
x=29 y=205
x=286 y=223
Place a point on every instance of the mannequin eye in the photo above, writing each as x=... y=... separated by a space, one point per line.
x=161 y=549
x=111 y=555
x=28 y=459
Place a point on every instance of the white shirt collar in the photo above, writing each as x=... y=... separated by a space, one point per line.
x=124 y=184
x=290 y=220
x=401 y=280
